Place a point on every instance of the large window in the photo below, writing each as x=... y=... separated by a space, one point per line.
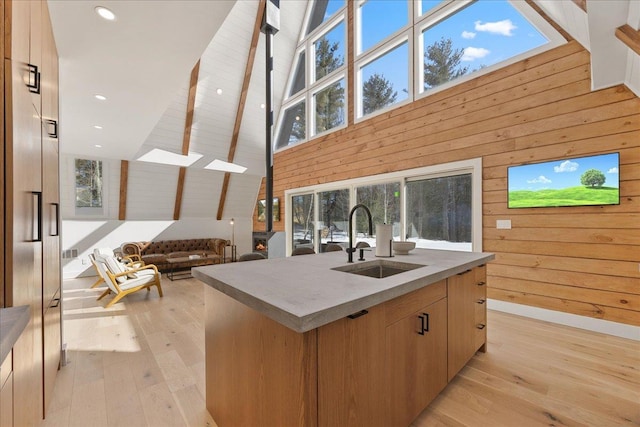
x=317 y=90
x=473 y=38
x=88 y=192
x=381 y=82
x=302 y=217
x=330 y=103
x=438 y=207
x=439 y=212
x=383 y=200
x=333 y=214
x=403 y=50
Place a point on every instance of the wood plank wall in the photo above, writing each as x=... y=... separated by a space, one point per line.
x=582 y=260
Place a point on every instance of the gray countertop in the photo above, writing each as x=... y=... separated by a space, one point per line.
x=304 y=293
x=13 y=320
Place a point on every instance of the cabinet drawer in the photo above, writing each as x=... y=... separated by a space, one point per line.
x=402 y=306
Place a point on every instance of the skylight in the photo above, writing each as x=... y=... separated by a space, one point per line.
x=168 y=158
x=219 y=165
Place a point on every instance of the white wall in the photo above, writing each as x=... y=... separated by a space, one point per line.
x=150 y=202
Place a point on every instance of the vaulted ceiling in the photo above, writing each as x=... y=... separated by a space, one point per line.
x=142 y=63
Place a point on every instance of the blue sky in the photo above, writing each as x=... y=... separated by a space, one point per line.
x=489 y=31
x=563 y=173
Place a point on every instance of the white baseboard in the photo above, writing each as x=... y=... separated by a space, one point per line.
x=567 y=319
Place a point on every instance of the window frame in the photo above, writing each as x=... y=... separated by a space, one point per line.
x=442 y=13
x=90 y=212
x=471 y=166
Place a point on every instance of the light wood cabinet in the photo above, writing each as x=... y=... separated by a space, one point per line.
x=416 y=362
x=351 y=370
x=32 y=253
x=378 y=367
x=467 y=317
x=6 y=391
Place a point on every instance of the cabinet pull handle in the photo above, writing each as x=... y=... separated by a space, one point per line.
x=37 y=216
x=55 y=303
x=464 y=272
x=34 y=79
x=480 y=301
x=358 y=314
x=424 y=323
x=482 y=283
x=55 y=221
x=53 y=123
x=480 y=326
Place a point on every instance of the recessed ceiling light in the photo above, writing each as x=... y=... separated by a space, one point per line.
x=105 y=13
x=97 y=126
x=262 y=105
x=101 y=97
x=219 y=91
x=98 y=146
x=219 y=165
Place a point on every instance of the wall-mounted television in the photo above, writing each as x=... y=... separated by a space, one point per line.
x=578 y=181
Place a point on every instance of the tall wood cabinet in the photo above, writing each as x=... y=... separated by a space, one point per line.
x=467 y=331
x=31 y=267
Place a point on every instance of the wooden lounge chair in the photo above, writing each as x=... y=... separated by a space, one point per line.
x=123 y=281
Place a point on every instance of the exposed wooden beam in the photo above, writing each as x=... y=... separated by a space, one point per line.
x=179 y=191
x=551 y=22
x=582 y=4
x=191 y=103
x=223 y=194
x=629 y=36
x=186 y=138
x=243 y=98
x=124 y=180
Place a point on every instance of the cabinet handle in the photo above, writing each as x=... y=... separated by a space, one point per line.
x=464 y=272
x=358 y=314
x=55 y=220
x=424 y=323
x=34 y=79
x=480 y=301
x=481 y=283
x=55 y=303
x=53 y=123
x=480 y=326
x=37 y=216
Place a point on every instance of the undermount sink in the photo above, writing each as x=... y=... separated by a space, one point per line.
x=379 y=268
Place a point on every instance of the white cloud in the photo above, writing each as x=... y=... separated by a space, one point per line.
x=468 y=35
x=473 y=53
x=613 y=170
x=503 y=28
x=539 y=180
x=566 y=166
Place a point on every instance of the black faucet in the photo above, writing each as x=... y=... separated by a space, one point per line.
x=351 y=249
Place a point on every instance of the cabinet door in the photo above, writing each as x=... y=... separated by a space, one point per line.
x=480 y=298
x=351 y=370
x=35 y=48
x=467 y=317
x=51 y=347
x=23 y=225
x=416 y=362
x=6 y=391
x=50 y=163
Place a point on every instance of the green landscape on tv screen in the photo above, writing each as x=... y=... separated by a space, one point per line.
x=582 y=181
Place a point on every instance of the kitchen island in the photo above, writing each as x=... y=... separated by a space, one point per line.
x=297 y=342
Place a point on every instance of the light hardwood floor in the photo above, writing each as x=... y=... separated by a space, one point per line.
x=141 y=363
